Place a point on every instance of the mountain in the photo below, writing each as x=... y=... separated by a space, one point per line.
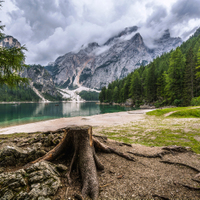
x=9 y=42
x=171 y=79
x=41 y=83
x=95 y=66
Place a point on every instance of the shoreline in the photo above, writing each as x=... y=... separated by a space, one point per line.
x=103 y=120
x=17 y=102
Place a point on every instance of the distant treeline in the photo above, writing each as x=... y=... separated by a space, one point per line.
x=18 y=93
x=89 y=95
x=171 y=79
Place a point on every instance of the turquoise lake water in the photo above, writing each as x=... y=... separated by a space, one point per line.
x=15 y=114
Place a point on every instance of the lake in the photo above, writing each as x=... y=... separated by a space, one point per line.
x=15 y=114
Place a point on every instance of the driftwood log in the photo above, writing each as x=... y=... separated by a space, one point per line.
x=80 y=141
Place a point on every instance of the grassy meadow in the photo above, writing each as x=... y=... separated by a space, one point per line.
x=162 y=127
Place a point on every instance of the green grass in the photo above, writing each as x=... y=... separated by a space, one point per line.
x=168 y=137
x=122 y=139
x=184 y=112
x=190 y=113
x=157 y=130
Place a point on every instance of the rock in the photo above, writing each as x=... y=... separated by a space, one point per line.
x=129 y=103
x=8 y=195
x=48 y=140
x=11 y=183
x=11 y=155
x=145 y=106
x=42 y=179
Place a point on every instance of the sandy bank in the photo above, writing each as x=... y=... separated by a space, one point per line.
x=109 y=119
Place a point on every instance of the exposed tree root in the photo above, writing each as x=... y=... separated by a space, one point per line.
x=177 y=163
x=189 y=187
x=78 y=196
x=167 y=150
x=175 y=149
x=125 y=144
x=161 y=197
x=80 y=142
x=198 y=181
x=106 y=149
x=198 y=175
x=158 y=155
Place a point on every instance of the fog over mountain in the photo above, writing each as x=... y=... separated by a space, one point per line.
x=95 y=66
x=54 y=27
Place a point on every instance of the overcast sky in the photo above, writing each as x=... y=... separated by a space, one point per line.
x=50 y=28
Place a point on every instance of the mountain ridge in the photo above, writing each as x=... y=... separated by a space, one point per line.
x=95 y=66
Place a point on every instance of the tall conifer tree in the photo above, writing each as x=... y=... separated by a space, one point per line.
x=189 y=77
x=175 y=78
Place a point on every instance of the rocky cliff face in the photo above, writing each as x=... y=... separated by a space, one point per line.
x=9 y=42
x=41 y=79
x=96 y=66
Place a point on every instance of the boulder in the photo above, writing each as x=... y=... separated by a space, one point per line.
x=11 y=155
x=39 y=181
x=129 y=103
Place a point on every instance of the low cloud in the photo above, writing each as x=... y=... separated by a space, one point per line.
x=54 y=27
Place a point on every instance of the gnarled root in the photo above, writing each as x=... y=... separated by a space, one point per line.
x=79 y=140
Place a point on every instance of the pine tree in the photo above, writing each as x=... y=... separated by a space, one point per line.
x=161 y=83
x=189 y=77
x=135 y=87
x=11 y=63
x=150 y=83
x=116 y=94
x=198 y=64
x=102 y=95
x=175 y=78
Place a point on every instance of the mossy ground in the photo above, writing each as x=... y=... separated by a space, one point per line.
x=181 y=128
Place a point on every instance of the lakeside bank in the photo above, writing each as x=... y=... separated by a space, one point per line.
x=104 y=120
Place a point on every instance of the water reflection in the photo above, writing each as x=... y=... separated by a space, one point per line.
x=12 y=114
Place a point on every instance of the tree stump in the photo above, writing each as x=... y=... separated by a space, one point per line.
x=79 y=140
